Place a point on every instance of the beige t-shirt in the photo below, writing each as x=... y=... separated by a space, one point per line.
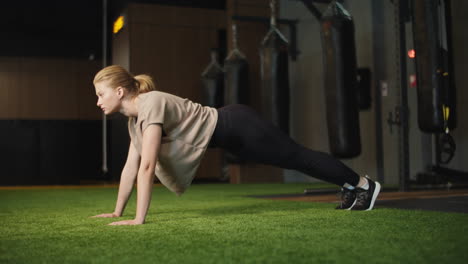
x=187 y=128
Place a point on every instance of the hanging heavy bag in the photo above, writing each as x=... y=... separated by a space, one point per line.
x=340 y=82
x=275 y=76
x=236 y=75
x=434 y=88
x=213 y=83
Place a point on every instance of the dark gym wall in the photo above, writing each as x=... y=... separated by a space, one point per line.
x=51 y=28
x=50 y=128
x=47 y=88
x=49 y=124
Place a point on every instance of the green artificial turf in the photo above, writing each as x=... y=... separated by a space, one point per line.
x=218 y=224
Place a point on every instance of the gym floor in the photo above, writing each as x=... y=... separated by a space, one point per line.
x=224 y=223
x=450 y=200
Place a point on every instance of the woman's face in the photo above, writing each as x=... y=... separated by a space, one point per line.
x=108 y=98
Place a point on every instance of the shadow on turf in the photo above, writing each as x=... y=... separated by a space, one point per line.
x=263 y=208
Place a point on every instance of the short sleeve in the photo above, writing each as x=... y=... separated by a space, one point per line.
x=154 y=111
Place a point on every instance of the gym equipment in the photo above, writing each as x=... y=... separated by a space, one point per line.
x=340 y=76
x=236 y=83
x=275 y=75
x=435 y=87
x=213 y=83
x=236 y=75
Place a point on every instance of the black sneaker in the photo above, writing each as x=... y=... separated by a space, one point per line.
x=348 y=199
x=365 y=199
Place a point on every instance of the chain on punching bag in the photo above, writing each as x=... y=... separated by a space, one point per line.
x=236 y=83
x=213 y=83
x=340 y=76
x=434 y=88
x=236 y=75
x=275 y=76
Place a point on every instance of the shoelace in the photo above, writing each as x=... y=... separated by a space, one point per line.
x=346 y=196
x=361 y=196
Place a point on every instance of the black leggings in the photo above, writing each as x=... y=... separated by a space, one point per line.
x=241 y=131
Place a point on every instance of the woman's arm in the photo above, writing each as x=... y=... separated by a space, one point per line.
x=127 y=181
x=149 y=156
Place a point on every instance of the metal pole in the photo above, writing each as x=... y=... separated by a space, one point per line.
x=378 y=49
x=403 y=130
x=104 y=64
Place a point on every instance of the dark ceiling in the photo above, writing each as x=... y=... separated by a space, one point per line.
x=58 y=28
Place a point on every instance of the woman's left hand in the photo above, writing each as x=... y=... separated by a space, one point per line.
x=127 y=222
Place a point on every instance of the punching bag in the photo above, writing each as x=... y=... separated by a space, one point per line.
x=275 y=76
x=340 y=82
x=236 y=75
x=213 y=83
x=434 y=89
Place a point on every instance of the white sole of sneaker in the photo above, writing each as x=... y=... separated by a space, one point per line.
x=351 y=207
x=374 y=196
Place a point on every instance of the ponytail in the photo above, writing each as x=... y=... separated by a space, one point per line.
x=144 y=83
x=117 y=76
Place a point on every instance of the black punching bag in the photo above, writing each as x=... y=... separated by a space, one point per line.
x=213 y=83
x=434 y=88
x=275 y=76
x=236 y=75
x=340 y=82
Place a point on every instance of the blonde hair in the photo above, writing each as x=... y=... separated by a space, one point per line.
x=118 y=76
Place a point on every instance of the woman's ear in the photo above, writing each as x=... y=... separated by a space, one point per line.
x=120 y=92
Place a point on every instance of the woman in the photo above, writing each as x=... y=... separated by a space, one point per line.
x=169 y=136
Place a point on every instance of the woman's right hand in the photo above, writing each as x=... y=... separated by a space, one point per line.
x=106 y=215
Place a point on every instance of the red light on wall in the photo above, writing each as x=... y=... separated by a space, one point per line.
x=412 y=79
x=411 y=53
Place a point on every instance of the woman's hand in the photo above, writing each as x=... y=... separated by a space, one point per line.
x=106 y=215
x=127 y=222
